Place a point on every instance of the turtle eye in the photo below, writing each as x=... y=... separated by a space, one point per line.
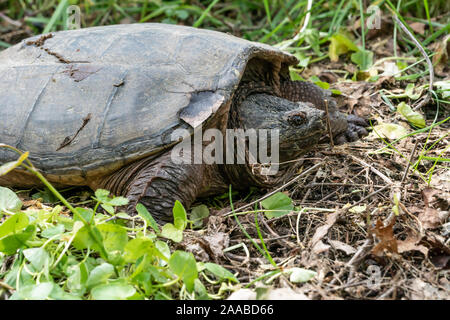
x=296 y=118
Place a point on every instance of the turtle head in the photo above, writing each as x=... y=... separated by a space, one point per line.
x=299 y=130
x=294 y=127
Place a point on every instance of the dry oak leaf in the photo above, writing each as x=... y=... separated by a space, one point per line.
x=411 y=244
x=430 y=217
x=386 y=237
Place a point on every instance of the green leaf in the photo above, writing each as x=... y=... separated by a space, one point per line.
x=163 y=248
x=183 y=264
x=200 y=290
x=358 y=209
x=340 y=44
x=118 y=290
x=279 y=202
x=53 y=231
x=9 y=201
x=144 y=214
x=115 y=237
x=336 y=92
x=59 y=294
x=11 y=243
x=123 y=215
x=16 y=276
x=43 y=291
x=312 y=37
x=102 y=195
x=220 y=272
x=413 y=117
x=294 y=75
x=299 y=275
x=87 y=214
x=303 y=61
x=14 y=232
x=363 y=58
x=320 y=83
x=137 y=247
x=169 y=231
x=179 y=213
x=156 y=274
x=38 y=257
x=84 y=239
x=401 y=65
x=108 y=208
x=390 y=131
x=118 y=201
x=14 y=224
x=443 y=88
x=39 y=291
x=46 y=195
x=100 y=275
x=182 y=14
x=77 y=278
x=199 y=213
x=409 y=91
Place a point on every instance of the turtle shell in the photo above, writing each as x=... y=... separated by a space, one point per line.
x=85 y=102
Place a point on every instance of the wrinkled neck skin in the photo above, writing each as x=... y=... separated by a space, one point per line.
x=299 y=128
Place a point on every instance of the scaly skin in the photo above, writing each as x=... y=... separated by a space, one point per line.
x=158 y=183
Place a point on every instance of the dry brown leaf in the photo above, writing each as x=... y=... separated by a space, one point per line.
x=418 y=27
x=35 y=204
x=440 y=59
x=320 y=247
x=426 y=291
x=357 y=96
x=386 y=237
x=441 y=181
x=217 y=242
x=439 y=252
x=323 y=230
x=428 y=194
x=411 y=244
x=431 y=217
x=338 y=245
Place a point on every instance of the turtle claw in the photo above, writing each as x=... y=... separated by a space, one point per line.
x=355 y=130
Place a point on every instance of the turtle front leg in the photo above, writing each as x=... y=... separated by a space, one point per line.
x=346 y=128
x=158 y=184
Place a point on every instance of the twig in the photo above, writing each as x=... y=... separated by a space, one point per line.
x=402 y=206
x=377 y=172
x=308 y=191
x=273 y=233
x=409 y=162
x=340 y=184
x=367 y=197
x=6 y=286
x=265 y=239
x=358 y=253
x=10 y=21
x=330 y=133
x=276 y=190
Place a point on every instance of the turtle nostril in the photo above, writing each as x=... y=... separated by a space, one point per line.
x=296 y=118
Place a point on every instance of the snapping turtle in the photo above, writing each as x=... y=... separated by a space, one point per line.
x=98 y=107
